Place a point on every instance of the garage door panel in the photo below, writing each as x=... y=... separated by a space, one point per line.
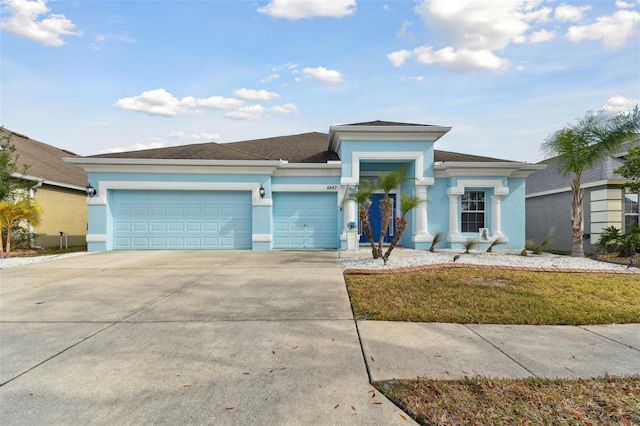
x=182 y=220
x=305 y=220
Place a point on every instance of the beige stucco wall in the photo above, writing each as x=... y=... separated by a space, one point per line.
x=63 y=210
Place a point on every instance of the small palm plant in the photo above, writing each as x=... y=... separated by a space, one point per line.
x=436 y=239
x=362 y=196
x=13 y=211
x=387 y=182
x=407 y=203
x=498 y=241
x=547 y=240
x=528 y=245
x=470 y=243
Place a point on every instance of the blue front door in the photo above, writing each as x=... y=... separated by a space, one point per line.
x=375 y=216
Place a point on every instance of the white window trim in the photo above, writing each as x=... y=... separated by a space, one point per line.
x=454 y=215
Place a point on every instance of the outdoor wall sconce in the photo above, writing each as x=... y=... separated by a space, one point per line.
x=261 y=191
x=91 y=191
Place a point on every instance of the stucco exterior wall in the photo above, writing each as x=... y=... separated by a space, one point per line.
x=63 y=210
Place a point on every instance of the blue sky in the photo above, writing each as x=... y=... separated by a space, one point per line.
x=100 y=76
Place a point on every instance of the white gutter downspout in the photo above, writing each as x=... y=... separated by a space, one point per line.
x=32 y=195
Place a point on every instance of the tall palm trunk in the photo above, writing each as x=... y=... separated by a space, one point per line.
x=8 y=242
x=366 y=228
x=386 y=205
x=577 y=217
x=401 y=226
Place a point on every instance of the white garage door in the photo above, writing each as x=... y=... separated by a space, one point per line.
x=305 y=220
x=182 y=219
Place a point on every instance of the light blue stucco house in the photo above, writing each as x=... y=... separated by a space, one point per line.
x=293 y=191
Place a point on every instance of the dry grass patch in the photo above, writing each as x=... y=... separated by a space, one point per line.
x=535 y=401
x=493 y=296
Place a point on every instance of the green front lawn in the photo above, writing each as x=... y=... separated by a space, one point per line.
x=474 y=295
x=493 y=296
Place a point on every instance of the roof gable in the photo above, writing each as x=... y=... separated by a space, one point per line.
x=45 y=161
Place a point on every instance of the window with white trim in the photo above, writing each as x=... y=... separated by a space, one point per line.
x=630 y=209
x=472 y=211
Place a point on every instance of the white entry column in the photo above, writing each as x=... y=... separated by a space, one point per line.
x=422 y=231
x=496 y=221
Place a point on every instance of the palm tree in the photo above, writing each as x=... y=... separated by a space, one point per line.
x=388 y=182
x=12 y=211
x=407 y=203
x=579 y=146
x=362 y=196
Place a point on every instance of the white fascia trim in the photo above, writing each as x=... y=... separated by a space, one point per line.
x=312 y=187
x=417 y=156
x=185 y=169
x=308 y=172
x=49 y=182
x=515 y=170
x=170 y=162
x=261 y=238
x=104 y=186
x=328 y=165
x=96 y=238
x=604 y=182
x=496 y=184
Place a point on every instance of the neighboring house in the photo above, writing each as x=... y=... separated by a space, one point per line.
x=606 y=202
x=59 y=188
x=293 y=191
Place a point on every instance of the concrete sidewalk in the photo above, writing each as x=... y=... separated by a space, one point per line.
x=401 y=350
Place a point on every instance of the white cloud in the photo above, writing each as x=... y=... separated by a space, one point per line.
x=298 y=9
x=399 y=57
x=541 y=36
x=200 y=137
x=460 y=59
x=473 y=31
x=404 y=32
x=24 y=22
x=570 y=13
x=255 y=95
x=269 y=78
x=100 y=40
x=481 y=24
x=322 y=74
x=249 y=112
x=613 y=30
x=161 y=102
x=624 y=4
x=620 y=104
x=285 y=109
x=134 y=147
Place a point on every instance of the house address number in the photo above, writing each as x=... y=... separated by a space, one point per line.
x=332 y=187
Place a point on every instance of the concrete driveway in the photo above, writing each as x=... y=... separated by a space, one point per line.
x=183 y=337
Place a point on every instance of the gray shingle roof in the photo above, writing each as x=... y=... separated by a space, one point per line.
x=302 y=148
x=46 y=161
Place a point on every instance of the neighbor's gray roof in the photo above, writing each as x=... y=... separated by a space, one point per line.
x=45 y=161
x=551 y=178
x=302 y=148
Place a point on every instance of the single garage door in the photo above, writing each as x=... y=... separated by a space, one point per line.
x=182 y=219
x=305 y=220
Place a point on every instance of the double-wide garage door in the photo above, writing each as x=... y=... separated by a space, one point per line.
x=182 y=219
x=305 y=220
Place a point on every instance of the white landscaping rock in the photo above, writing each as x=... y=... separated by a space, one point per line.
x=408 y=257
